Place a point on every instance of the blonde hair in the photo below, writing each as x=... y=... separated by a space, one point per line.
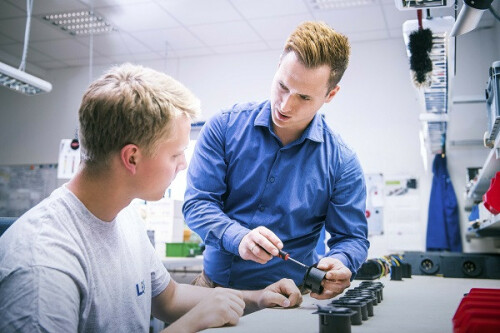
x=317 y=44
x=130 y=104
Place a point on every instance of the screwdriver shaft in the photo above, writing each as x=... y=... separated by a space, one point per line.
x=297 y=262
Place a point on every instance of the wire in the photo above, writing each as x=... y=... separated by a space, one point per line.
x=29 y=7
x=91 y=47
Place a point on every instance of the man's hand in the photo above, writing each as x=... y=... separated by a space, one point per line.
x=283 y=293
x=260 y=245
x=337 y=278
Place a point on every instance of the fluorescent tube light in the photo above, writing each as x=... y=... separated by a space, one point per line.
x=21 y=81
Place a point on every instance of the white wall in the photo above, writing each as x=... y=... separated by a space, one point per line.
x=376 y=110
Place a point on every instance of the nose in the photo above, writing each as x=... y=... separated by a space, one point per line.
x=286 y=103
x=182 y=164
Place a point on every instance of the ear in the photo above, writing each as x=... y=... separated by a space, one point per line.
x=129 y=156
x=332 y=93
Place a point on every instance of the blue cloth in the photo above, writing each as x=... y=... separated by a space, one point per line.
x=241 y=177
x=443 y=228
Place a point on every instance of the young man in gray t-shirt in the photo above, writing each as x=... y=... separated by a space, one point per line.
x=79 y=261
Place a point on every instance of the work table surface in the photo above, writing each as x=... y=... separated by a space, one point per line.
x=421 y=304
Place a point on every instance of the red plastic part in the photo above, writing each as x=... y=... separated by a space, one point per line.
x=478 y=312
x=492 y=197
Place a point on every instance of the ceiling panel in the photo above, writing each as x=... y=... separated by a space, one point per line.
x=239 y=48
x=195 y=12
x=197 y=52
x=16 y=50
x=225 y=33
x=8 y=10
x=41 y=7
x=107 y=3
x=252 y=9
x=138 y=16
x=52 y=65
x=266 y=27
x=356 y=19
x=63 y=49
x=137 y=57
x=4 y=40
x=177 y=38
x=117 y=43
x=15 y=29
x=368 y=35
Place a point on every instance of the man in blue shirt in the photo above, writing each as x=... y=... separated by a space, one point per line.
x=268 y=176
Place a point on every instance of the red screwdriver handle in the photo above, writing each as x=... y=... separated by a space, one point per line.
x=283 y=255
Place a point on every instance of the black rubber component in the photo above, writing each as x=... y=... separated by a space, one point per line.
x=313 y=278
x=334 y=319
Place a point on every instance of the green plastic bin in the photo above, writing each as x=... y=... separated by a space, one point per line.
x=182 y=249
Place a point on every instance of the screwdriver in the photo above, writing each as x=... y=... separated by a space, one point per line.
x=286 y=256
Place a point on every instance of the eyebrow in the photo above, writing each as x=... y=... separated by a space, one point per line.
x=301 y=95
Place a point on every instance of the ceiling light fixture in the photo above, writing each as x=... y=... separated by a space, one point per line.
x=336 y=4
x=17 y=79
x=469 y=16
x=420 y=4
x=21 y=81
x=80 y=23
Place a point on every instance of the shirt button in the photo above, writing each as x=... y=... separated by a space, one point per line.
x=261 y=208
x=271 y=180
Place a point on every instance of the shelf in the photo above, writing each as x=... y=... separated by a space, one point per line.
x=490 y=167
x=469 y=99
x=488 y=228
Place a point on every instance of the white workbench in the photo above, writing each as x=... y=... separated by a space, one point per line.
x=173 y=263
x=421 y=304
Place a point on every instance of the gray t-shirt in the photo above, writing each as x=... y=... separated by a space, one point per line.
x=64 y=270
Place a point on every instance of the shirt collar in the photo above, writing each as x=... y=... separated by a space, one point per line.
x=313 y=132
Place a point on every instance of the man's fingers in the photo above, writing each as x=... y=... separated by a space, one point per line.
x=263 y=252
x=260 y=245
x=335 y=287
x=271 y=237
x=326 y=294
x=338 y=275
x=262 y=259
x=342 y=274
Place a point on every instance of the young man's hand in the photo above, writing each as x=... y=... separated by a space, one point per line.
x=220 y=307
x=283 y=293
x=337 y=278
x=259 y=245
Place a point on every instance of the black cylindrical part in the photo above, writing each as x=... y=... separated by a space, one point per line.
x=313 y=278
x=334 y=319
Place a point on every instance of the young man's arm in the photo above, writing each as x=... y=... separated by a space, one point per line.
x=192 y=308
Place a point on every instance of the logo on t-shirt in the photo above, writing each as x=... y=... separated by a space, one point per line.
x=140 y=288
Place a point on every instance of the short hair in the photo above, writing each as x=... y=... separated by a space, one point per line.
x=317 y=44
x=130 y=104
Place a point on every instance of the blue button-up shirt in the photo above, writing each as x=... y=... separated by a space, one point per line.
x=242 y=177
